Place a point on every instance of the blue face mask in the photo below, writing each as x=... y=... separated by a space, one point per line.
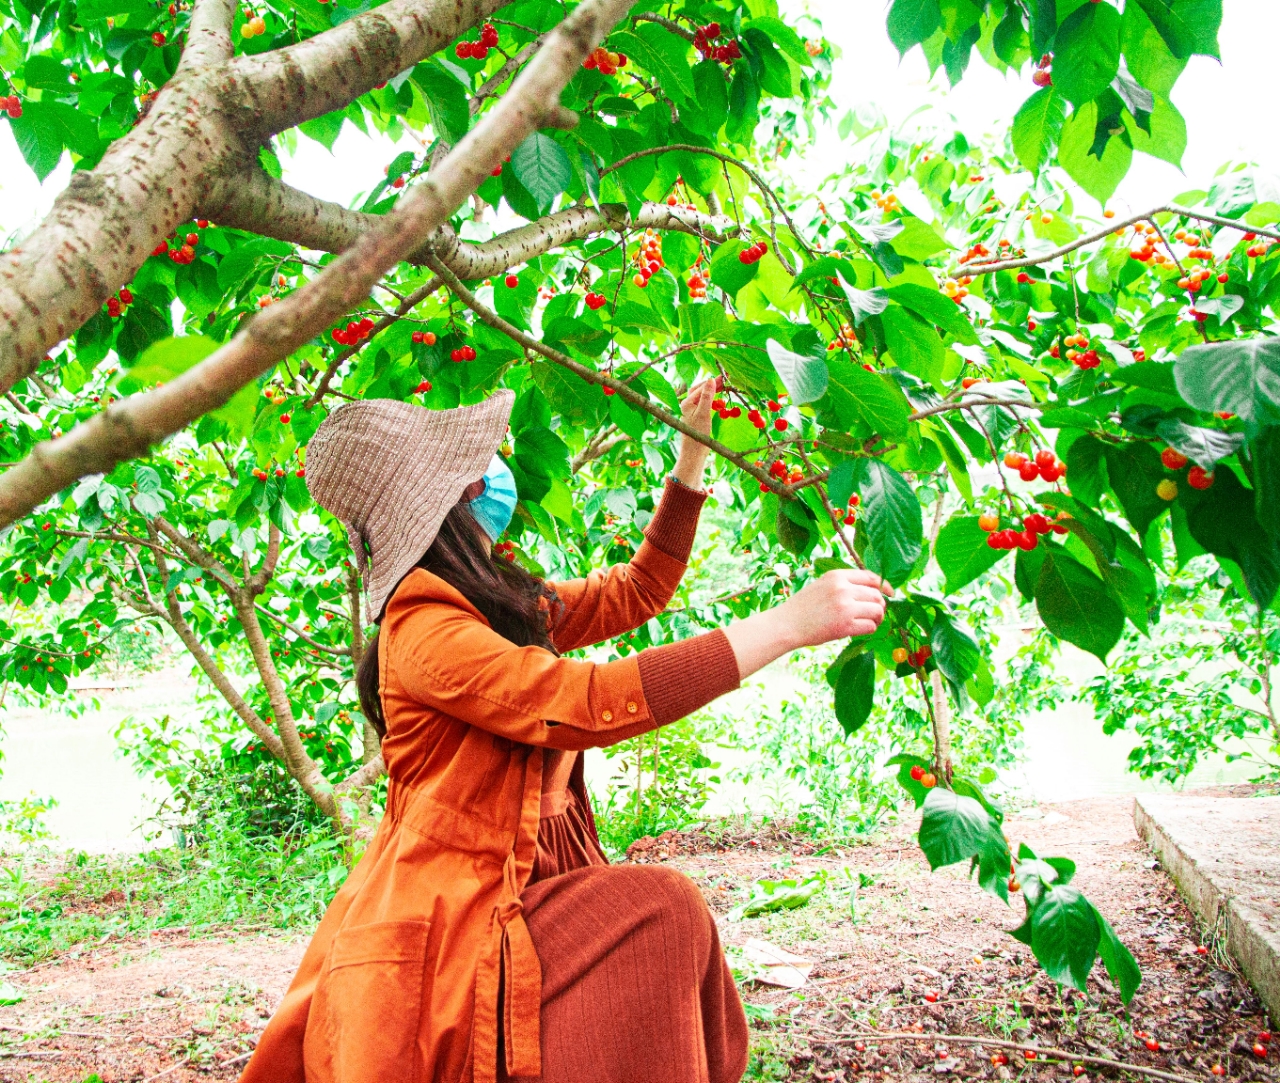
x=494 y=507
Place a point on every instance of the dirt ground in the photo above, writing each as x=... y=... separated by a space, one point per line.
x=919 y=954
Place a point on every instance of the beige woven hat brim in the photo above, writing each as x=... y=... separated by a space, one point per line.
x=391 y=471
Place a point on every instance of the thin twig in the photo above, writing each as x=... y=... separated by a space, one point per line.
x=1040 y=1051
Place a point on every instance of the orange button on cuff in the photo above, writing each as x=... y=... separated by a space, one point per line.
x=632 y=708
x=607 y=716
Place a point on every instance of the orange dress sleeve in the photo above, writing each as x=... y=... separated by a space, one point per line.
x=608 y=603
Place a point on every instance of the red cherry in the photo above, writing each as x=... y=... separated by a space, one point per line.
x=158 y=38
x=193 y=239
x=1042 y=77
x=1152 y=1044
x=301 y=472
x=1199 y=478
x=1173 y=458
x=126 y=296
x=780 y=423
x=917 y=772
x=1264 y=1037
x=1259 y=1050
x=1028 y=471
x=1045 y=457
x=422 y=387
x=284 y=419
x=931 y=997
x=512 y=281
x=1026 y=539
x=1037 y=523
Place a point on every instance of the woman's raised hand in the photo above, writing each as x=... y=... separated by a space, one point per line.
x=696 y=413
x=836 y=605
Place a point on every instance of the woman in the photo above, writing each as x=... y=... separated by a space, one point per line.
x=483 y=935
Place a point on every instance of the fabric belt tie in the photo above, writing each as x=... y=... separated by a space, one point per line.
x=553 y=804
x=513 y=960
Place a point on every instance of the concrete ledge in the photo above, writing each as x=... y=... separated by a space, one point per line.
x=1224 y=855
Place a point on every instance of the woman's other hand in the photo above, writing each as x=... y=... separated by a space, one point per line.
x=837 y=605
x=696 y=413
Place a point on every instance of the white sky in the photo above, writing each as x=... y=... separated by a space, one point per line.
x=1229 y=109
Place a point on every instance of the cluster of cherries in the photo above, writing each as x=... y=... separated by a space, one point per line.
x=12 y=105
x=1197 y=477
x=1078 y=353
x=754 y=253
x=353 y=332
x=478 y=50
x=506 y=550
x=605 y=62
x=846 y=339
x=697 y=281
x=463 y=353
x=117 y=304
x=915 y=659
x=253 y=25
x=702 y=41
x=1258 y=245
x=886 y=202
x=1045 y=465
x=778 y=469
x=425 y=338
x=956 y=288
x=1043 y=75
x=648 y=258
x=595 y=301
x=1033 y=526
x=181 y=253
x=850 y=515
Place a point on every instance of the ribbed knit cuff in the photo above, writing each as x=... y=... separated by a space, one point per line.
x=675 y=523
x=678 y=678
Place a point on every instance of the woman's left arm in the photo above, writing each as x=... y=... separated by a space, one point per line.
x=623 y=597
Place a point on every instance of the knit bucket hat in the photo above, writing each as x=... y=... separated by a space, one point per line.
x=391 y=471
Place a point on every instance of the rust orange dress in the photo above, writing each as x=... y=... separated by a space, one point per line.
x=483 y=935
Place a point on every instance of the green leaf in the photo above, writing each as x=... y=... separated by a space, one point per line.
x=935 y=307
x=1204 y=447
x=954 y=649
x=46 y=128
x=239 y=411
x=891 y=518
x=162 y=361
x=962 y=551
x=541 y=165
x=958 y=828
x=1240 y=377
x=1097 y=175
x=326 y=128
x=1146 y=54
x=728 y=271
x=446 y=102
x=1076 y=605
x=1134 y=471
x=1187 y=26
x=918 y=240
x=1264 y=453
x=1165 y=136
x=856 y=394
x=1065 y=934
x=805 y=378
x=661 y=54
x=865 y=303
x=1037 y=128
x=796 y=527
x=1086 y=52
x=912 y=21
x=914 y=345
x=783 y=36
x=855 y=692
x=1225 y=524
x=1118 y=960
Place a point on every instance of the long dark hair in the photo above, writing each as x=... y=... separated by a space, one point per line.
x=518 y=606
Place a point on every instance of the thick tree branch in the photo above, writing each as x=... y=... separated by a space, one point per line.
x=128 y=428
x=602 y=379
x=209 y=35
x=206 y=122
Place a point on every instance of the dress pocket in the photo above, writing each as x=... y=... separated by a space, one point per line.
x=366 y=1015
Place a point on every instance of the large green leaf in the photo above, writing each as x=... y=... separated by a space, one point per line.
x=1240 y=377
x=46 y=128
x=855 y=692
x=1076 y=605
x=912 y=21
x=856 y=394
x=1187 y=26
x=1225 y=524
x=805 y=378
x=1264 y=452
x=1086 y=52
x=1037 y=127
x=446 y=102
x=1135 y=470
x=891 y=518
x=954 y=649
x=1205 y=447
x=728 y=271
x=962 y=551
x=914 y=345
x=1065 y=935
x=541 y=165
x=1146 y=54
x=918 y=240
x=935 y=307
x=957 y=828
x=1118 y=960
x=163 y=360
x=1099 y=174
